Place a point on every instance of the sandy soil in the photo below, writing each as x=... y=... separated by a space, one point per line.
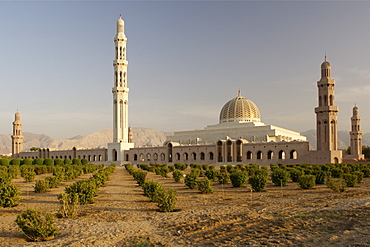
x=122 y=216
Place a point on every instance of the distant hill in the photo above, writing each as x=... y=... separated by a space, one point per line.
x=142 y=136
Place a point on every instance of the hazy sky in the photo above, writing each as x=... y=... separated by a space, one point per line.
x=186 y=60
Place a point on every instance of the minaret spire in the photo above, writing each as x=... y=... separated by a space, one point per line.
x=356 y=135
x=120 y=92
x=17 y=137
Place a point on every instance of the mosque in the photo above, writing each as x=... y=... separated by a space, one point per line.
x=239 y=137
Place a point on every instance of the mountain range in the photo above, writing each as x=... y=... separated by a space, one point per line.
x=141 y=136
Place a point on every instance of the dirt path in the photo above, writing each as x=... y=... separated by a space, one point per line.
x=122 y=216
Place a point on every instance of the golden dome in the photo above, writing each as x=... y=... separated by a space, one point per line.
x=238 y=110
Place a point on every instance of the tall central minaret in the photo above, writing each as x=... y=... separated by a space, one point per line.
x=120 y=89
x=121 y=135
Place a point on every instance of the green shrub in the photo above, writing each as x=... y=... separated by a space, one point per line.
x=351 y=179
x=58 y=162
x=205 y=186
x=35 y=226
x=177 y=175
x=211 y=174
x=181 y=167
x=195 y=172
x=307 y=181
x=9 y=195
x=15 y=162
x=86 y=190
x=151 y=188
x=336 y=172
x=67 y=161
x=295 y=174
x=53 y=181
x=41 y=186
x=191 y=181
x=238 y=179
x=360 y=176
x=205 y=167
x=27 y=162
x=48 y=162
x=258 y=182
x=139 y=176
x=29 y=176
x=280 y=177
x=336 y=184
x=166 y=200
x=320 y=176
x=4 y=162
x=223 y=178
x=366 y=172
x=69 y=204
x=84 y=161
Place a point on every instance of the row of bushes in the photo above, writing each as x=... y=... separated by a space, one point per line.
x=165 y=198
x=40 y=161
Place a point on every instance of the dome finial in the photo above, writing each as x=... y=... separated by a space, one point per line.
x=325 y=56
x=239 y=92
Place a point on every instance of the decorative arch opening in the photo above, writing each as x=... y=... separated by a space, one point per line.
x=229 y=151
x=211 y=156
x=163 y=157
x=202 y=156
x=293 y=155
x=194 y=156
x=249 y=155
x=186 y=156
x=219 y=151
x=177 y=156
x=259 y=155
x=142 y=157
x=135 y=157
x=281 y=155
x=155 y=156
x=148 y=157
x=270 y=155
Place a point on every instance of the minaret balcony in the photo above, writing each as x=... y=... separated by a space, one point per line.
x=326 y=109
x=118 y=62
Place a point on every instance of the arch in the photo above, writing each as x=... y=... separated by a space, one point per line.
x=155 y=156
x=89 y=158
x=163 y=157
x=320 y=101
x=239 y=150
x=259 y=155
x=336 y=160
x=331 y=99
x=325 y=99
x=211 y=156
x=229 y=151
x=94 y=158
x=281 y=155
x=148 y=157
x=142 y=157
x=202 y=156
x=186 y=156
x=293 y=155
x=219 y=151
x=135 y=157
x=194 y=156
x=177 y=156
x=249 y=155
x=114 y=155
x=270 y=155
x=127 y=158
x=101 y=157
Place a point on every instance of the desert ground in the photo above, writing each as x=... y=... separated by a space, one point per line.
x=122 y=216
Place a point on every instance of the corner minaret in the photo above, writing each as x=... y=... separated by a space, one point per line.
x=326 y=117
x=17 y=138
x=356 y=135
x=120 y=92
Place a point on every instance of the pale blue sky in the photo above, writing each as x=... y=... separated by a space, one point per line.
x=186 y=60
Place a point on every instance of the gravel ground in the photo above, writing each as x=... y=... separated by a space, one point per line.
x=122 y=216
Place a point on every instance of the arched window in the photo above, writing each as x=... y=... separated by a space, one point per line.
x=155 y=156
x=281 y=155
x=186 y=156
x=210 y=156
x=320 y=101
x=293 y=155
x=259 y=155
x=142 y=157
x=148 y=157
x=177 y=156
x=127 y=159
x=270 y=155
x=135 y=157
x=194 y=156
x=331 y=100
x=202 y=156
x=249 y=155
x=163 y=157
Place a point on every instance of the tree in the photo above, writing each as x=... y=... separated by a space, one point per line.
x=34 y=149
